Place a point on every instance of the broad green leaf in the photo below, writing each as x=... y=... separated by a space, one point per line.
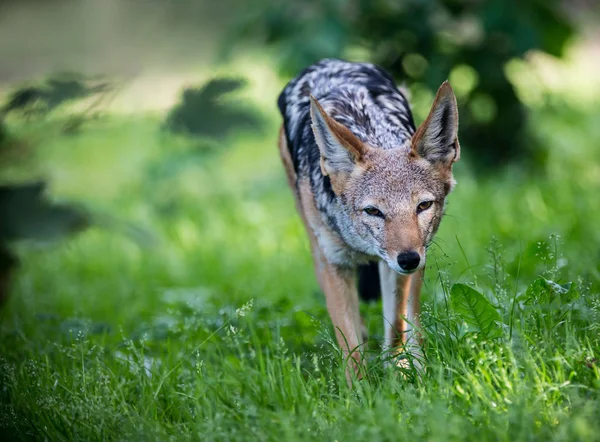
x=475 y=310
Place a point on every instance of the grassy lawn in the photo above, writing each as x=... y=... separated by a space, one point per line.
x=211 y=326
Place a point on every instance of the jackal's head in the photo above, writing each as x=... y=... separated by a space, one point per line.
x=393 y=198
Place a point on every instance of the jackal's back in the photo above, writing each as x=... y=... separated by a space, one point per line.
x=361 y=96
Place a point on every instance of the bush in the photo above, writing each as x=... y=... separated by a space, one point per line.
x=423 y=43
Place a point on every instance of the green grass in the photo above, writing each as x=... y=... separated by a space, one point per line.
x=216 y=329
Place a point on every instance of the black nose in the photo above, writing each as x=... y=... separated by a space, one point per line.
x=409 y=261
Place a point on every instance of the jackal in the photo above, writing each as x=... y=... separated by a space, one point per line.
x=371 y=190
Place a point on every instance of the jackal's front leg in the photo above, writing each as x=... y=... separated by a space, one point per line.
x=401 y=307
x=342 y=303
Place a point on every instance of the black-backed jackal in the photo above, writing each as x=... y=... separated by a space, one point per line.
x=370 y=189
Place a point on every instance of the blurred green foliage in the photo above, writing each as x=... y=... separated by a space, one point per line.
x=3 y=133
x=40 y=99
x=424 y=42
x=26 y=214
x=205 y=117
x=209 y=111
x=25 y=211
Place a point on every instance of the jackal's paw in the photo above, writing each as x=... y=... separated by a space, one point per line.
x=408 y=365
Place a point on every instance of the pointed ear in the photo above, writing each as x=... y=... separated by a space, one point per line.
x=436 y=140
x=340 y=150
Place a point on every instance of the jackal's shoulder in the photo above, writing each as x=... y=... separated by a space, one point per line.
x=365 y=100
x=361 y=96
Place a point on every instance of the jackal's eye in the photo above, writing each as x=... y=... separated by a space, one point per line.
x=423 y=206
x=373 y=211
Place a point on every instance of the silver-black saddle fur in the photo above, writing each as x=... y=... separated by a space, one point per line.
x=362 y=97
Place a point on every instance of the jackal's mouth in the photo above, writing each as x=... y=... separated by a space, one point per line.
x=406 y=273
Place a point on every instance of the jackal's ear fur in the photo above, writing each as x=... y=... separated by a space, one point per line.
x=340 y=150
x=436 y=140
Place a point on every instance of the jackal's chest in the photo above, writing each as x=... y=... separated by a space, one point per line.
x=335 y=249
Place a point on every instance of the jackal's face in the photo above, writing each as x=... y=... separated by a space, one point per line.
x=394 y=198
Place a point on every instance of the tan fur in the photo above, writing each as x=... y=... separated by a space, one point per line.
x=288 y=165
x=403 y=234
x=337 y=283
x=401 y=299
x=408 y=309
x=291 y=177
